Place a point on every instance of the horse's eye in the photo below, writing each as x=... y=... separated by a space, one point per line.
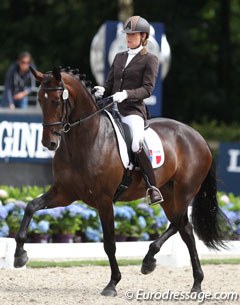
x=55 y=103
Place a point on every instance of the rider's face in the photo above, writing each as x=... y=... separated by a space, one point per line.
x=133 y=40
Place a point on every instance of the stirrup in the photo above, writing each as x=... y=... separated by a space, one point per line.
x=161 y=199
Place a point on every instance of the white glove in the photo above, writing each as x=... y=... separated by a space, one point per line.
x=119 y=97
x=99 y=91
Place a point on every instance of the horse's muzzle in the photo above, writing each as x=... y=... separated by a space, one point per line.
x=50 y=145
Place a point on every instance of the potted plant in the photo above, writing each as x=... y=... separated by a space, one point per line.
x=15 y=209
x=126 y=223
x=90 y=229
x=65 y=222
x=156 y=221
x=4 y=229
x=38 y=231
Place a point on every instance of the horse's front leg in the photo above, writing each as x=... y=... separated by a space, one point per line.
x=50 y=199
x=107 y=221
x=149 y=262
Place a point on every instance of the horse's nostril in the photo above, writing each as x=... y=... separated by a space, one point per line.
x=53 y=145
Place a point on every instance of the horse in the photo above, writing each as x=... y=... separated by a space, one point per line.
x=87 y=167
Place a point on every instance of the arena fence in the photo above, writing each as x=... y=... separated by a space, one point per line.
x=173 y=253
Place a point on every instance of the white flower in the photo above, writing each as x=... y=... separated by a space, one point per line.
x=225 y=198
x=3 y=194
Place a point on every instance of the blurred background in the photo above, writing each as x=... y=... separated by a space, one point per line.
x=202 y=84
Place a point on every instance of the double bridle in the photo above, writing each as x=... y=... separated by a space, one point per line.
x=66 y=125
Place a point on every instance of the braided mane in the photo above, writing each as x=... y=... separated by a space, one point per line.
x=81 y=77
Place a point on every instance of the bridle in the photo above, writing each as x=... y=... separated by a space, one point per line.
x=66 y=125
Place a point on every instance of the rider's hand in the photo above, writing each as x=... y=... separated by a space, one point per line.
x=99 y=91
x=119 y=97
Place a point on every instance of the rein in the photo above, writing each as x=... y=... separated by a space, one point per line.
x=66 y=125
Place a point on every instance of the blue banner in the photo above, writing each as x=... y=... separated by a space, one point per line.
x=20 y=139
x=229 y=167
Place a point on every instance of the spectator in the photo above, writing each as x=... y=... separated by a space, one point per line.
x=19 y=83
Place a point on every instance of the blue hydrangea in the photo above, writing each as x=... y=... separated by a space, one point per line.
x=3 y=212
x=43 y=212
x=10 y=207
x=33 y=225
x=124 y=212
x=145 y=236
x=146 y=208
x=238 y=229
x=88 y=213
x=92 y=234
x=75 y=209
x=56 y=213
x=160 y=221
x=142 y=222
x=20 y=204
x=4 y=230
x=232 y=216
x=43 y=226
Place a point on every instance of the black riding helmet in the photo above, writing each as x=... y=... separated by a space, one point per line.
x=136 y=24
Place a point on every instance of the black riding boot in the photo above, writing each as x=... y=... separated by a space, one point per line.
x=148 y=175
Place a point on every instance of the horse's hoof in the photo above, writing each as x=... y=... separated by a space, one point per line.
x=20 y=261
x=149 y=266
x=196 y=289
x=108 y=292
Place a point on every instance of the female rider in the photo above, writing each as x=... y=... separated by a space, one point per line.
x=131 y=79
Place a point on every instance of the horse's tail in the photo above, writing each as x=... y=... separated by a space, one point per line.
x=209 y=222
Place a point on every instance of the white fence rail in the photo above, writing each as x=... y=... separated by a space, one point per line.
x=173 y=253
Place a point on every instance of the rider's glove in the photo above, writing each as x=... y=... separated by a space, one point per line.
x=99 y=91
x=119 y=97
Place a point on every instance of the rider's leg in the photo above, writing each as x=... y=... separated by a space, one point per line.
x=136 y=123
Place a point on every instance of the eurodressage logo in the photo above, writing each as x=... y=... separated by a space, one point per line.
x=22 y=141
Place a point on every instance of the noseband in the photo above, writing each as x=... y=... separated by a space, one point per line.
x=66 y=125
x=65 y=103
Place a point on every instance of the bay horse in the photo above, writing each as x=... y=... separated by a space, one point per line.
x=87 y=167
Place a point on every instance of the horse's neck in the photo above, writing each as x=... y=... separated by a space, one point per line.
x=87 y=130
x=84 y=106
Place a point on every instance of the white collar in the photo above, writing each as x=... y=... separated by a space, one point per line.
x=135 y=51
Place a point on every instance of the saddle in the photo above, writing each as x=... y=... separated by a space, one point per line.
x=128 y=137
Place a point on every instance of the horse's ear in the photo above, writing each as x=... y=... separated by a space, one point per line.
x=56 y=73
x=38 y=75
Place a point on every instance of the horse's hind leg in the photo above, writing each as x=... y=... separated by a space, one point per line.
x=186 y=233
x=50 y=199
x=149 y=262
x=107 y=221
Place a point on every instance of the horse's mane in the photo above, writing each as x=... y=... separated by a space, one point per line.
x=81 y=77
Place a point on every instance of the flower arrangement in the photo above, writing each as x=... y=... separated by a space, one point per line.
x=230 y=205
x=15 y=212
x=135 y=219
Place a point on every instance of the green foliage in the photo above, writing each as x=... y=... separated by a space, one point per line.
x=214 y=131
x=203 y=35
x=25 y=193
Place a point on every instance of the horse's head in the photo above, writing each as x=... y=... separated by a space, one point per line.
x=53 y=97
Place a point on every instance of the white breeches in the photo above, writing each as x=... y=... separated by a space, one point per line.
x=136 y=124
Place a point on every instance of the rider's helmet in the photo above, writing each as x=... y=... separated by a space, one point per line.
x=136 y=24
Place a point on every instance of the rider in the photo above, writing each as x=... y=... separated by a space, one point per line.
x=131 y=79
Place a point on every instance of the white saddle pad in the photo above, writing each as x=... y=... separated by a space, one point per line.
x=154 y=143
